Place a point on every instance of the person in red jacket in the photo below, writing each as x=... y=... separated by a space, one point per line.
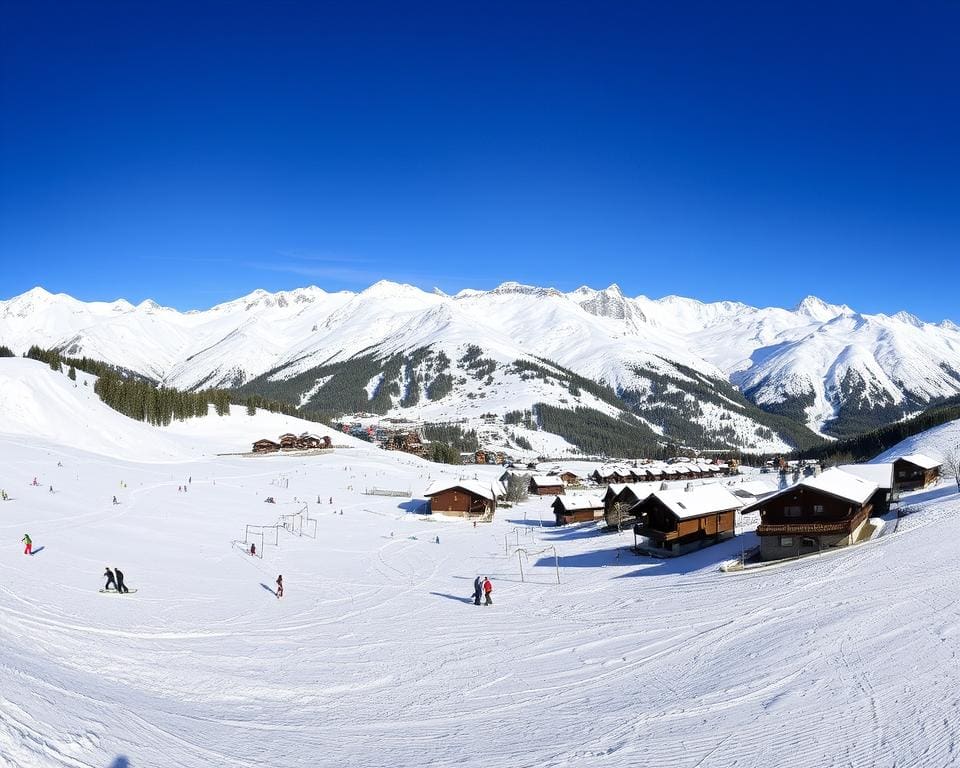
x=487 y=589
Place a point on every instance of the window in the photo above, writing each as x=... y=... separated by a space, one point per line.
x=786 y=541
x=818 y=510
x=793 y=511
x=808 y=542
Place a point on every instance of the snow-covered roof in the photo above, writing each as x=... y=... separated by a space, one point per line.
x=843 y=485
x=546 y=480
x=699 y=500
x=476 y=487
x=573 y=503
x=754 y=488
x=924 y=462
x=881 y=474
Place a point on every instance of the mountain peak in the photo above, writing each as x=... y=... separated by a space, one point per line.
x=905 y=317
x=512 y=287
x=817 y=309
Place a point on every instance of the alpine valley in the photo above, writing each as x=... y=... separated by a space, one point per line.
x=549 y=369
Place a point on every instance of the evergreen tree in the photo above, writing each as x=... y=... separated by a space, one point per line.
x=72 y=373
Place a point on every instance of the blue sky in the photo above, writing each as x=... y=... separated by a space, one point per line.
x=193 y=152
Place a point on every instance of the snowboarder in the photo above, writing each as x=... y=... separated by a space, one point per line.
x=28 y=549
x=110 y=579
x=279 y=586
x=477 y=590
x=121 y=587
x=487 y=589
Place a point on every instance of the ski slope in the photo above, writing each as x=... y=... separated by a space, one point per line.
x=376 y=656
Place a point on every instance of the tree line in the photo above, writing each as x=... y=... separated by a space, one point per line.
x=141 y=398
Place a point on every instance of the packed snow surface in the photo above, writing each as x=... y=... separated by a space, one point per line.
x=376 y=655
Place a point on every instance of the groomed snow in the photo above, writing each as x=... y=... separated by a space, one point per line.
x=377 y=657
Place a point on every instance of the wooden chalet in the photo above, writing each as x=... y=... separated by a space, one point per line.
x=288 y=442
x=570 y=478
x=577 y=509
x=266 y=446
x=306 y=441
x=620 y=499
x=546 y=485
x=915 y=471
x=463 y=498
x=408 y=442
x=678 y=521
x=817 y=513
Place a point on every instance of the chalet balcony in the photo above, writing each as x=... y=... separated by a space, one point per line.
x=653 y=533
x=805 y=526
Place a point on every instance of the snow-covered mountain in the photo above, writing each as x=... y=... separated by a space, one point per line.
x=432 y=356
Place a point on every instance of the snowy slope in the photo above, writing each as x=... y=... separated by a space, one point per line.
x=823 y=364
x=375 y=656
x=38 y=403
x=935 y=443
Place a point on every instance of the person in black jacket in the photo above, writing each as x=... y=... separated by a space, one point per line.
x=110 y=579
x=121 y=587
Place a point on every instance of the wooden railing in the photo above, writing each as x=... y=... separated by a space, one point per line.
x=801 y=528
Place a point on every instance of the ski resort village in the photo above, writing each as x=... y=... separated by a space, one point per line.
x=237 y=586
x=479 y=385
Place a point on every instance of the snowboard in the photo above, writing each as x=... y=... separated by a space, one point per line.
x=114 y=592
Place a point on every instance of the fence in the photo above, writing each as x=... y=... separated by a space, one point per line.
x=387 y=492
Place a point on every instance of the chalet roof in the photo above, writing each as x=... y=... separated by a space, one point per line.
x=475 y=487
x=753 y=488
x=546 y=480
x=881 y=474
x=922 y=461
x=842 y=485
x=574 y=503
x=700 y=500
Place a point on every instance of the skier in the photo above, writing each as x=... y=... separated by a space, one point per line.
x=477 y=590
x=279 y=586
x=110 y=579
x=253 y=549
x=487 y=589
x=51 y=489
x=121 y=587
x=115 y=500
x=28 y=549
x=190 y=479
